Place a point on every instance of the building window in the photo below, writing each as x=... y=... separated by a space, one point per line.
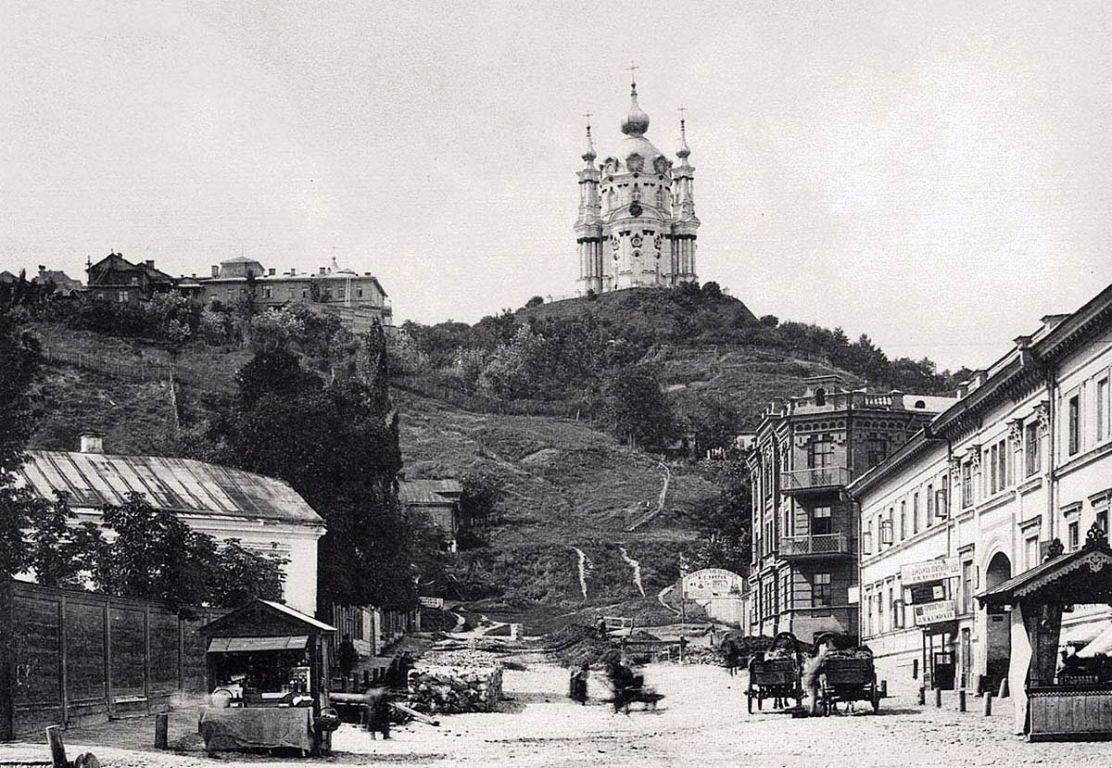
x=820 y=590
x=880 y=612
x=1031 y=448
x=893 y=610
x=1102 y=409
x=822 y=521
x=903 y=520
x=359 y=292
x=915 y=513
x=967 y=484
x=1074 y=424
x=1031 y=551
x=867 y=548
x=820 y=396
x=1102 y=521
x=820 y=454
x=967 y=586
x=121 y=296
x=267 y=294
x=941 y=507
x=930 y=506
x=876 y=451
x=886 y=531
x=1074 y=535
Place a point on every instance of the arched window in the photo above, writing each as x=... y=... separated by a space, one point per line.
x=820 y=396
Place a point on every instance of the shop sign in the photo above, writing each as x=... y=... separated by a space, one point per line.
x=712 y=582
x=927 y=592
x=930 y=570
x=431 y=602
x=935 y=613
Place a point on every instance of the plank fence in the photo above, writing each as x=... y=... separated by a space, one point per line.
x=81 y=657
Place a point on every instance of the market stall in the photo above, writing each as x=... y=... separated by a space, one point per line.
x=266 y=674
x=1073 y=702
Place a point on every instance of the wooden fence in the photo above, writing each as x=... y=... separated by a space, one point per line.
x=82 y=657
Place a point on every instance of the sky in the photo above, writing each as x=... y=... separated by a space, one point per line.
x=937 y=175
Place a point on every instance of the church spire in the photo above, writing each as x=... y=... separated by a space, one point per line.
x=684 y=151
x=590 y=155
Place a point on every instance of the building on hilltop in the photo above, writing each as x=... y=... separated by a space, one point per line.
x=1024 y=458
x=804 y=564
x=64 y=285
x=359 y=301
x=637 y=225
x=114 y=278
x=265 y=514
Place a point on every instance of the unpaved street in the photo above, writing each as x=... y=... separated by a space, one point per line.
x=702 y=722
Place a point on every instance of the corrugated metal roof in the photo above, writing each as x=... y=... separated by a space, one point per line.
x=298 y=615
x=179 y=485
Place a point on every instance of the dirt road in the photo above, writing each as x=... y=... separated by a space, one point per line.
x=701 y=722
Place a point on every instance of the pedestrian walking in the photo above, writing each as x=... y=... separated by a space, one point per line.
x=577 y=687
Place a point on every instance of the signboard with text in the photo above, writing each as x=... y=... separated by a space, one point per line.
x=927 y=592
x=712 y=582
x=930 y=570
x=935 y=613
x=431 y=602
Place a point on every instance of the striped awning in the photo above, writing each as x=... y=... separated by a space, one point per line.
x=252 y=644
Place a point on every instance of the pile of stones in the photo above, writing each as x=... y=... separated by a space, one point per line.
x=454 y=690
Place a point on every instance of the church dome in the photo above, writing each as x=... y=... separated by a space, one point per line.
x=636 y=122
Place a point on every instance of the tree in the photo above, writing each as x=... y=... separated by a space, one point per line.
x=714 y=423
x=536 y=301
x=337 y=445
x=634 y=407
x=724 y=522
x=61 y=554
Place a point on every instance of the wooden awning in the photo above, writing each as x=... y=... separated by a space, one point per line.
x=1080 y=577
x=252 y=644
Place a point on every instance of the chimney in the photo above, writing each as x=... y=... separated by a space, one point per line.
x=150 y=263
x=272 y=272
x=322 y=270
x=92 y=444
x=216 y=270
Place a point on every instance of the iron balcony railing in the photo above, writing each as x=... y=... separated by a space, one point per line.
x=810 y=479
x=816 y=544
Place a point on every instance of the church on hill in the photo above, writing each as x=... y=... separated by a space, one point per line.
x=637 y=224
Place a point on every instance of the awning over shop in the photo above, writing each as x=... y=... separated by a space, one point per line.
x=1080 y=577
x=1102 y=643
x=252 y=644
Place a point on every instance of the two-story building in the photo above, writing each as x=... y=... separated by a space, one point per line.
x=359 y=301
x=806 y=451
x=1023 y=458
x=116 y=279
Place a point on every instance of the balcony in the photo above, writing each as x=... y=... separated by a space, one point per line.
x=817 y=545
x=814 y=480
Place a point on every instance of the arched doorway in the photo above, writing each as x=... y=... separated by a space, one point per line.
x=998 y=637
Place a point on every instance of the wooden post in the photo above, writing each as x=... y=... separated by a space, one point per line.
x=1003 y=694
x=961 y=700
x=922 y=695
x=161 y=730
x=914 y=669
x=938 y=697
x=884 y=689
x=63 y=682
x=986 y=705
x=147 y=688
x=57 y=748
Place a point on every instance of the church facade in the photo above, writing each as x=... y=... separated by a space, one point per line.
x=637 y=225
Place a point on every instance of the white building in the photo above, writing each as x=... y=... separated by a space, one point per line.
x=1023 y=458
x=637 y=225
x=265 y=514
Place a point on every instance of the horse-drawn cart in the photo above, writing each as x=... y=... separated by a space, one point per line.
x=774 y=678
x=847 y=679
